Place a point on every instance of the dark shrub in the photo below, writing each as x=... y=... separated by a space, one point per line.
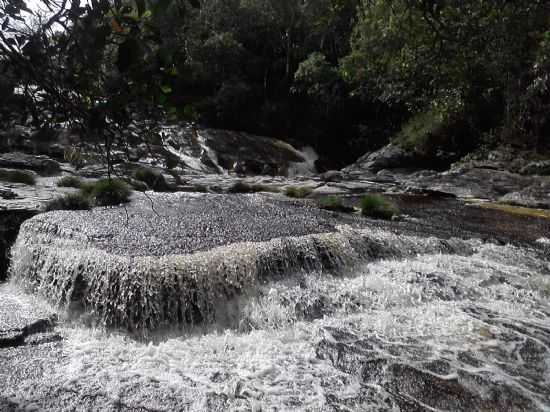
x=107 y=192
x=69 y=181
x=17 y=176
x=378 y=207
x=243 y=187
x=153 y=179
x=71 y=201
x=335 y=204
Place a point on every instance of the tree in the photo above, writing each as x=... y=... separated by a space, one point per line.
x=94 y=67
x=457 y=56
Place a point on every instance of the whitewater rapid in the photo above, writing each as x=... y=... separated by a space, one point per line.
x=432 y=331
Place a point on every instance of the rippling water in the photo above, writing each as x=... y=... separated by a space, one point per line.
x=426 y=332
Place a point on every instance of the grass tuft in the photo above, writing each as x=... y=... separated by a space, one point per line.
x=71 y=201
x=69 y=181
x=378 y=207
x=335 y=204
x=107 y=192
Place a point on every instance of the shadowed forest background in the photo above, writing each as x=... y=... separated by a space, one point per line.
x=343 y=76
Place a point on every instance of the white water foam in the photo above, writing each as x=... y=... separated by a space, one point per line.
x=444 y=331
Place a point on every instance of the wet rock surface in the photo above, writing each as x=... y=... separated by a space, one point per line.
x=258 y=302
x=178 y=258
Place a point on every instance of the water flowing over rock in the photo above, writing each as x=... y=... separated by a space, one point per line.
x=178 y=259
x=429 y=330
x=203 y=150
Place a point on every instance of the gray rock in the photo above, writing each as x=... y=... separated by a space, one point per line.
x=333 y=176
x=389 y=157
x=536 y=168
x=38 y=163
x=534 y=196
x=7 y=194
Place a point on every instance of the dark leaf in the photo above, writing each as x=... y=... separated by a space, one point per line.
x=23 y=6
x=128 y=54
x=5 y=24
x=140 y=4
x=161 y=6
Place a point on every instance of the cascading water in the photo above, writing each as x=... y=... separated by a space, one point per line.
x=132 y=283
x=342 y=318
x=306 y=168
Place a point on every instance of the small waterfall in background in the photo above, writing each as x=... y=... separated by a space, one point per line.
x=306 y=168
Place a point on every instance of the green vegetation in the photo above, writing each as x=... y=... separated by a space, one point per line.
x=378 y=207
x=243 y=187
x=432 y=76
x=71 y=201
x=335 y=204
x=104 y=192
x=70 y=181
x=298 y=192
x=107 y=192
x=17 y=176
x=152 y=178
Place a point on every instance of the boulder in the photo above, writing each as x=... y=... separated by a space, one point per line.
x=38 y=163
x=536 y=168
x=389 y=157
x=7 y=194
x=333 y=176
x=536 y=195
x=251 y=155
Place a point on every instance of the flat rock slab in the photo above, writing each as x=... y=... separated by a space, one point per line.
x=180 y=223
x=181 y=259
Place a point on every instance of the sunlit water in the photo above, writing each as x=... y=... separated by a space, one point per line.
x=428 y=331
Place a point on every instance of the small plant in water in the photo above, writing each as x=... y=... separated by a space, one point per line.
x=69 y=181
x=298 y=192
x=378 y=207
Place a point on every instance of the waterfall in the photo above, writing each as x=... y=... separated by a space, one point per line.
x=66 y=264
x=306 y=168
x=247 y=302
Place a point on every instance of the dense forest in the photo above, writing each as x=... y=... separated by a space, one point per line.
x=344 y=76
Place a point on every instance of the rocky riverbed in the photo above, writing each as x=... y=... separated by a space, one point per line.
x=313 y=310
x=207 y=299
